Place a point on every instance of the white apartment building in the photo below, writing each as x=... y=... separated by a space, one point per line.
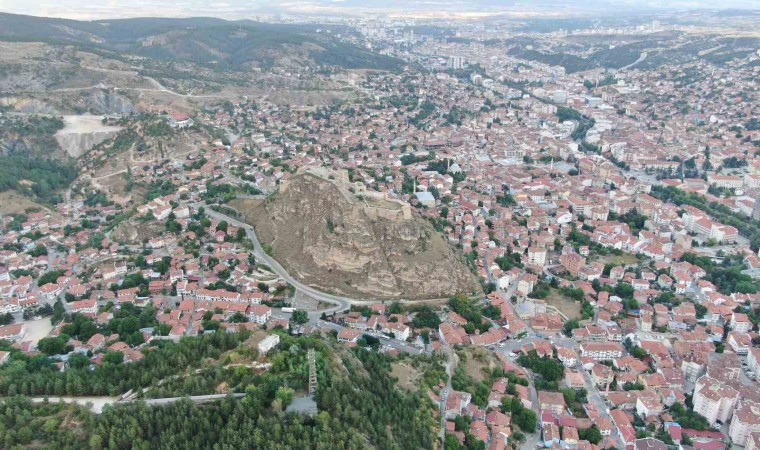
x=739 y=342
x=746 y=420
x=726 y=181
x=260 y=314
x=537 y=256
x=753 y=441
x=753 y=359
x=13 y=332
x=399 y=330
x=602 y=351
x=268 y=343
x=714 y=400
x=740 y=323
x=88 y=306
x=10 y=306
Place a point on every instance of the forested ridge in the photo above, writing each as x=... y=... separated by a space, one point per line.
x=36 y=176
x=217 y=43
x=359 y=404
x=27 y=147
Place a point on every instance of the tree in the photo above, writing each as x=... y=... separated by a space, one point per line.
x=38 y=250
x=113 y=357
x=78 y=361
x=426 y=317
x=53 y=345
x=50 y=277
x=526 y=419
x=593 y=434
x=299 y=317
x=624 y=290
x=570 y=325
x=285 y=395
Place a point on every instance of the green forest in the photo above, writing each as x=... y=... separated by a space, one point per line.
x=35 y=176
x=359 y=403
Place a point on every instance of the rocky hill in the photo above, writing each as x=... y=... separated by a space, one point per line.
x=331 y=235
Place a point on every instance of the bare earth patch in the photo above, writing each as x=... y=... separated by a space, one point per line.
x=407 y=376
x=37 y=329
x=568 y=306
x=477 y=359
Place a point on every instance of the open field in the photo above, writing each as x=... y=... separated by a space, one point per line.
x=407 y=376
x=477 y=359
x=11 y=202
x=37 y=329
x=568 y=306
x=622 y=260
x=82 y=132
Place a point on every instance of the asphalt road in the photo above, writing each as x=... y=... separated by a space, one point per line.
x=340 y=303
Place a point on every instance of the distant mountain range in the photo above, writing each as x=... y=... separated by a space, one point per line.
x=202 y=40
x=239 y=9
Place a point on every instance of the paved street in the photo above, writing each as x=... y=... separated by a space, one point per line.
x=340 y=303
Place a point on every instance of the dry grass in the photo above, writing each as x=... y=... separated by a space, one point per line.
x=246 y=206
x=568 y=306
x=476 y=359
x=135 y=233
x=624 y=259
x=11 y=202
x=407 y=376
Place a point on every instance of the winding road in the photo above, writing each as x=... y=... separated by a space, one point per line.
x=642 y=57
x=158 y=86
x=340 y=303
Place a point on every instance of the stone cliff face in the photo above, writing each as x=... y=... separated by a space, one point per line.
x=324 y=236
x=103 y=101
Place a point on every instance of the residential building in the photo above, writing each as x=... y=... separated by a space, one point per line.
x=745 y=421
x=753 y=359
x=268 y=343
x=13 y=332
x=602 y=351
x=714 y=400
x=553 y=401
x=259 y=314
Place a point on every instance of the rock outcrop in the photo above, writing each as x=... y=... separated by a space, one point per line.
x=332 y=235
x=105 y=101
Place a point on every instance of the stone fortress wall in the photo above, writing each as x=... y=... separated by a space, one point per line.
x=377 y=205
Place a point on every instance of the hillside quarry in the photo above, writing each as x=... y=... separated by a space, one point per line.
x=337 y=237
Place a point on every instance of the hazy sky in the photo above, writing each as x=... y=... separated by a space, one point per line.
x=236 y=9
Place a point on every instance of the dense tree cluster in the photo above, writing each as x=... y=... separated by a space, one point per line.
x=46 y=176
x=470 y=310
x=523 y=417
x=688 y=418
x=38 y=375
x=548 y=370
x=726 y=276
x=359 y=404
